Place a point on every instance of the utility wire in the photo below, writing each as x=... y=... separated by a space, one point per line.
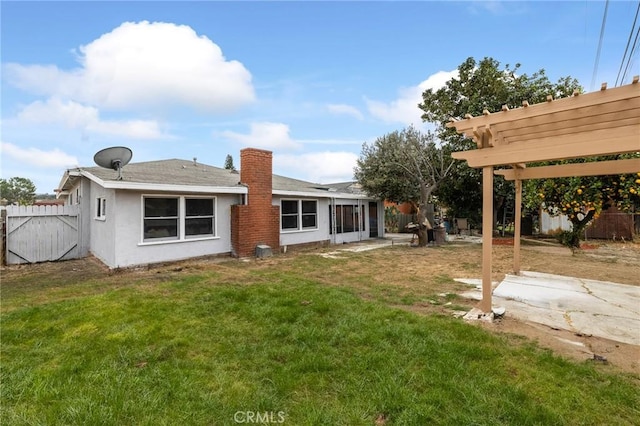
x=627 y=48
x=634 y=49
x=595 y=66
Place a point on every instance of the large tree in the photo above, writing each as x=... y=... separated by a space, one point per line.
x=582 y=198
x=402 y=166
x=482 y=85
x=18 y=190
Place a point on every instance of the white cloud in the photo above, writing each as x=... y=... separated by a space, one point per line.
x=266 y=135
x=144 y=65
x=319 y=167
x=76 y=116
x=37 y=157
x=345 y=109
x=405 y=108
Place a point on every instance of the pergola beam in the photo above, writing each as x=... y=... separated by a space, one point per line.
x=607 y=114
x=545 y=108
x=624 y=139
x=584 y=125
x=593 y=168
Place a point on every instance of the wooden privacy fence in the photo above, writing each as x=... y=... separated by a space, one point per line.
x=42 y=233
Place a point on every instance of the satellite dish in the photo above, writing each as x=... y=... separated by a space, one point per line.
x=115 y=157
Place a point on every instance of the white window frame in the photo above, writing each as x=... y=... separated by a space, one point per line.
x=299 y=215
x=101 y=208
x=181 y=218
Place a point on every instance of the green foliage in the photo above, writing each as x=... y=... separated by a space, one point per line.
x=391 y=218
x=482 y=85
x=582 y=198
x=403 y=166
x=18 y=190
x=228 y=163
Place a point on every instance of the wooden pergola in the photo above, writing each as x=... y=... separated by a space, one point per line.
x=605 y=122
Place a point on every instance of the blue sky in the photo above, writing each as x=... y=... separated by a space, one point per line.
x=311 y=81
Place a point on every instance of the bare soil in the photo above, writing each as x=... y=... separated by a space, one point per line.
x=425 y=274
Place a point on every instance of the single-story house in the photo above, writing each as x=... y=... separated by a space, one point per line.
x=168 y=210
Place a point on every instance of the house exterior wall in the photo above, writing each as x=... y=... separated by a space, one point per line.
x=324 y=233
x=127 y=239
x=102 y=231
x=320 y=234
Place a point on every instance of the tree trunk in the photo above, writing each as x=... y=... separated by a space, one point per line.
x=498 y=202
x=571 y=238
x=425 y=193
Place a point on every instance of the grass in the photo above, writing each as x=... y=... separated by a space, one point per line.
x=307 y=338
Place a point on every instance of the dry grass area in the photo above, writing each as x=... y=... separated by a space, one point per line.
x=416 y=279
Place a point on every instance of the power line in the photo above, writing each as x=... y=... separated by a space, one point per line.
x=634 y=49
x=627 y=48
x=595 y=66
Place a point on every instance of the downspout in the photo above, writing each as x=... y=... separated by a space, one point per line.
x=360 y=212
x=333 y=221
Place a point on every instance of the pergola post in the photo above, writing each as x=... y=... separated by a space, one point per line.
x=487 y=236
x=517 y=231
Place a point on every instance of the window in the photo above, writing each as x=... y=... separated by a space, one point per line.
x=298 y=214
x=309 y=214
x=347 y=219
x=289 y=214
x=161 y=218
x=178 y=218
x=101 y=208
x=199 y=217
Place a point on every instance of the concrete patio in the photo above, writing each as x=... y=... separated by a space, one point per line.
x=583 y=306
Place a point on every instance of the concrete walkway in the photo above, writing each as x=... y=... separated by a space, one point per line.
x=588 y=307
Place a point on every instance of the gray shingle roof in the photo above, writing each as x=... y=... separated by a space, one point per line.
x=174 y=172
x=281 y=183
x=186 y=172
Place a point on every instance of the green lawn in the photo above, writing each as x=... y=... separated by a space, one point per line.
x=200 y=345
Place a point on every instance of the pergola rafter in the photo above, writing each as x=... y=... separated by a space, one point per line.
x=605 y=122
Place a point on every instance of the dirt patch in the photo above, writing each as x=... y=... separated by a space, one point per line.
x=603 y=352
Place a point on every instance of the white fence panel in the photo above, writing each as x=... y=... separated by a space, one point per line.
x=554 y=224
x=42 y=233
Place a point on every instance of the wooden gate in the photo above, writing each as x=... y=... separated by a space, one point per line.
x=42 y=233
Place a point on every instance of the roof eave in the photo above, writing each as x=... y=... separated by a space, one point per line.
x=203 y=189
x=340 y=195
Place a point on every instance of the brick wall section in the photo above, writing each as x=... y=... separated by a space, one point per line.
x=258 y=222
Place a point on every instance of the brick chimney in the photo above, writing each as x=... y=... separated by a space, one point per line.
x=258 y=221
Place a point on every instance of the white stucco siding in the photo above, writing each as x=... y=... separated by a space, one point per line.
x=130 y=249
x=102 y=230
